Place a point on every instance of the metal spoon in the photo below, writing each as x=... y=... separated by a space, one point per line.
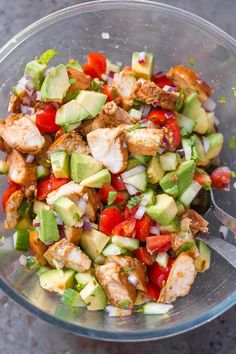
x=224 y=248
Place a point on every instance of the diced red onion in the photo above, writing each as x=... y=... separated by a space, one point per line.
x=143 y=121
x=169 y=88
x=46 y=72
x=140 y=212
x=61 y=231
x=205 y=144
x=142 y=57
x=104 y=77
x=29 y=85
x=145 y=110
x=30 y=158
x=223 y=232
x=180 y=152
x=109 y=81
x=36 y=224
x=155 y=104
x=23 y=260
x=82 y=205
x=133 y=171
x=209 y=105
x=226 y=187
x=87 y=225
x=111 y=74
x=38 y=95
x=131 y=190
x=160 y=151
x=143 y=203
x=59 y=221
x=23 y=82
x=154 y=230
x=133 y=279
x=24 y=109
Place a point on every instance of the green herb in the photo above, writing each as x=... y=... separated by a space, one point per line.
x=114 y=93
x=71 y=95
x=136 y=126
x=31 y=262
x=234 y=91
x=111 y=197
x=124 y=304
x=23 y=209
x=233 y=174
x=47 y=56
x=137 y=103
x=179 y=99
x=72 y=81
x=222 y=99
x=186 y=247
x=134 y=201
x=127 y=270
x=95 y=86
x=232 y=142
x=192 y=62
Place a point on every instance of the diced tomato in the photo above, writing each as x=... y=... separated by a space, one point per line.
x=8 y=192
x=161 y=80
x=143 y=228
x=111 y=92
x=144 y=256
x=96 y=65
x=117 y=182
x=109 y=218
x=125 y=228
x=156 y=242
x=104 y=194
x=172 y=133
x=46 y=117
x=202 y=178
x=130 y=212
x=221 y=177
x=153 y=291
x=48 y=185
x=165 y=248
x=158 y=275
x=161 y=116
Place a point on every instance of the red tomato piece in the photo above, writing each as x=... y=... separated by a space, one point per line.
x=125 y=228
x=104 y=194
x=202 y=178
x=89 y=70
x=156 y=242
x=158 y=275
x=109 y=218
x=221 y=177
x=144 y=256
x=143 y=228
x=161 y=80
x=96 y=65
x=46 y=117
x=165 y=248
x=117 y=182
x=130 y=212
x=111 y=92
x=161 y=116
x=48 y=185
x=8 y=192
x=172 y=134
x=153 y=291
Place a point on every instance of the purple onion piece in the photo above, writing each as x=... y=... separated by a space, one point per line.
x=61 y=231
x=180 y=152
x=87 y=225
x=209 y=105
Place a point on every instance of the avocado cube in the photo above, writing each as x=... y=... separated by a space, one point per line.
x=72 y=298
x=216 y=142
x=74 y=64
x=94 y=296
x=55 y=85
x=67 y=210
x=71 y=113
x=83 y=166
x=36 y=71
x=57 y=280
x=138 y=181
x=164 y=211
x=97 y=180
x=202 y=262
x=191 y=106
x=91 y=101
x=174 y=226
x=168 y=161
x=48 y=230
x=83 y=279
x=143 y=70
x=60 y=164
x=93 y=242
x=154 y=170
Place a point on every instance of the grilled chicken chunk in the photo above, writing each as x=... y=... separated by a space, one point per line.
x=180 y=279
x=119 y=291
x=82 y=81
x=69 y=255
x=134 y=268
x=108 y=146
x=197 y=223
x=20 y=133
x=149 y=92
x=70 y=142
x=72 y=234
x=67 y=190
x=15 y=104
x=42 y=158
x=11 y=208
x=110 y=117
x=37 y=247
x=125 y=83
x=183 y=77
x=144 y=141
x=93 y=203
x=20 y=171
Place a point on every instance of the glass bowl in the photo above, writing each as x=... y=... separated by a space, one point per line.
x=174 y=36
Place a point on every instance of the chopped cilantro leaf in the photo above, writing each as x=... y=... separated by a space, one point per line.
x=127 y=270
x=136 y=126
x=234 y=91
x=111 y=197
x=95 y=86
x=192 y=62
x=134 y=201
x=222 y=99
x=179 y=100
x=72 y=81
x=233 y=174
x=47 y=56
x=137 y=103
x=71 y=95
x=232 y=142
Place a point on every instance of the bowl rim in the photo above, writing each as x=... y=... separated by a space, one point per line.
x=145 y=335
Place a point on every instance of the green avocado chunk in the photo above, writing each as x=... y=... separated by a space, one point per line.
x=55 y=85
x=93 y=242
x=143 y=70
x=35 y=70
x=97 y=180
x=48 y=230
x=94 y=296
x=83 y=166
x=57 y=280
x=175 y=183
x=71 y=113
x=91 y=101
x=154 y=170
x=60 y=164
x=216 y=142
x=202 y=262
x=164 y=211
x=67 y=210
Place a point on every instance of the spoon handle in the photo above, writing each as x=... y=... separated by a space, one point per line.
x=225 y=249
x=226 y=219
